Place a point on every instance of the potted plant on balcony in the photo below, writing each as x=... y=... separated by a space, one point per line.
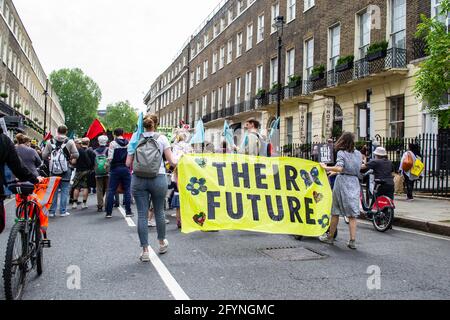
x=17 y=106
x=317 y=73
x=377 y=51
x=345 y=63
x=260 y=94
x=3 y=95
x=275 y=88
x=27 y=112
x=36 y=119
x=294 y=81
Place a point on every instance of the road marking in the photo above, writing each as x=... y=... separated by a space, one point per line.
x=170 y=282
x=128 y=220
x=9 y=201
x=429 y=235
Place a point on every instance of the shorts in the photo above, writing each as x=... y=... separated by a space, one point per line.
x=81 y=180
x=176 y=201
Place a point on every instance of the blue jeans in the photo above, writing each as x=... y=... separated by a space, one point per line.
x=143 y=190
x=64 y=189
x=8 y=178
x=119 y=175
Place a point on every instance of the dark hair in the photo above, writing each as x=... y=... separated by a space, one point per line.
x=118 y=132
x=414 y=148
x=151 y=122
x=62 y=130
x=254 y=122
x=346 y=142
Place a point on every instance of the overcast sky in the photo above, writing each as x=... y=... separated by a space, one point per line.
x=122 y=45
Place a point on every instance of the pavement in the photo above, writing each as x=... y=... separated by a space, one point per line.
x=230 y=265
x=424 y=214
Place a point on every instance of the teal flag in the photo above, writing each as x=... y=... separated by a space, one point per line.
x=199 y=136
x=136 y=135
x=228 y=134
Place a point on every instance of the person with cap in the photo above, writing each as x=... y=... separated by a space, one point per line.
x=101 y=168
x=84 y=166
x=383 y=169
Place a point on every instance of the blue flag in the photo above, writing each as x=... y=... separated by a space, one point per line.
x=199 y=136
x=228 y=134
x=274 y=128
x=136 y=135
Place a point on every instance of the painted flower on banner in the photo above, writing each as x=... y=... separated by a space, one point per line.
x=196 y=186
x=311 y=177
x=325 y=221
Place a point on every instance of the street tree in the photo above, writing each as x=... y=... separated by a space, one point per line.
x=79 y=97
x=433 y=78
x=121 y=115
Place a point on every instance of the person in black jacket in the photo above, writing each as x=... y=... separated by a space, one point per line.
x=84 y=166
x=9 y=156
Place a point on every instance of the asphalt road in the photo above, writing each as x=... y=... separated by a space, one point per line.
x=230 y=265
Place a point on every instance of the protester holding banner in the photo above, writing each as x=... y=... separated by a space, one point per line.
x=346 y=192
x=149 y=181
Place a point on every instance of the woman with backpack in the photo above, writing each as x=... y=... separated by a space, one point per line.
x=149 y=181
x=406 y=165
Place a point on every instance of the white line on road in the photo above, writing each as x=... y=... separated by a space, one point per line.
x=170 y=282
x=128 y=220
x=9 y=201
x=412 y=231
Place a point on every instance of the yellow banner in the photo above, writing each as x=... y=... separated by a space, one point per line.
x=238 y=192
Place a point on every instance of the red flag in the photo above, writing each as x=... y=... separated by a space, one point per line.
x=48 y=136
x=95 y=129
x=127 y=136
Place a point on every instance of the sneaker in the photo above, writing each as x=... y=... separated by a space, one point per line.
x=84 y=206
x=152 y=223
x=352 y=244
x=145 y=257
x=116 y=205
x=326 y=239
x=52 y=215
x=65 y=214
x=99 y=209
x=130 y=215
x=108 y=216
x=167 y=221
x=74 y=206
x=163 y=248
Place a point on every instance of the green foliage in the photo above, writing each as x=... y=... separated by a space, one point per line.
x=275 y=88
x=377 y=47
x=27 y=112
x=318 y=70
x=433 y=78
x=344 y=60
x=3 y=95
x=79 y=97
x=261 y=93
x=121 y=115
x=17 y=105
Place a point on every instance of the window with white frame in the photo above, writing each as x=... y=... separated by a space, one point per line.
x=197 y=110
x=398 y=24
x=237 y=99
x=239 y=43
x=240 y=6
x=216 y=30
x=364 y=24
x=436 y=9
x=205 y=69
x=204 y=105
x=228 y=95
x=222 y=58
x=273 y=71
x=220 y=97
x=249 y=36
x=213 y=100
x=291 y=10
x=260 y=28
x=230 y=51
x=397 y=117
x=309 y=4
x=214 y=66
x=309 y=58
x=275 y=13
x=191 y=84
x=334 y=37
x=198 y=76
x=206 y=39
x=248 y=86
x=223 y=23
x=259 y=77
x=230 y=16
x=290 y=64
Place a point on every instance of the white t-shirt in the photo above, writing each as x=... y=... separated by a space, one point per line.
x=163 y=146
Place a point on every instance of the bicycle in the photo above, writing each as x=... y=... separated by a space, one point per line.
x=378 y=209
x=24 y=251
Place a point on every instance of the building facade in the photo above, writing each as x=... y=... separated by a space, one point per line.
x=24 y=86
x=345 y=66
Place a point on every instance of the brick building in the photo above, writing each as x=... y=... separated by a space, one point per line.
x=23 y=82
x=228 y=69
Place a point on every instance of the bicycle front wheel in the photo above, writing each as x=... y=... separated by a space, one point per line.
x=15 y=270
x=383 y=220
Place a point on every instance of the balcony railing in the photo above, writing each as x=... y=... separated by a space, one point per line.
x=394 y=58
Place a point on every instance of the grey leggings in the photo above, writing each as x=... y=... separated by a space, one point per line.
x=144 y=189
